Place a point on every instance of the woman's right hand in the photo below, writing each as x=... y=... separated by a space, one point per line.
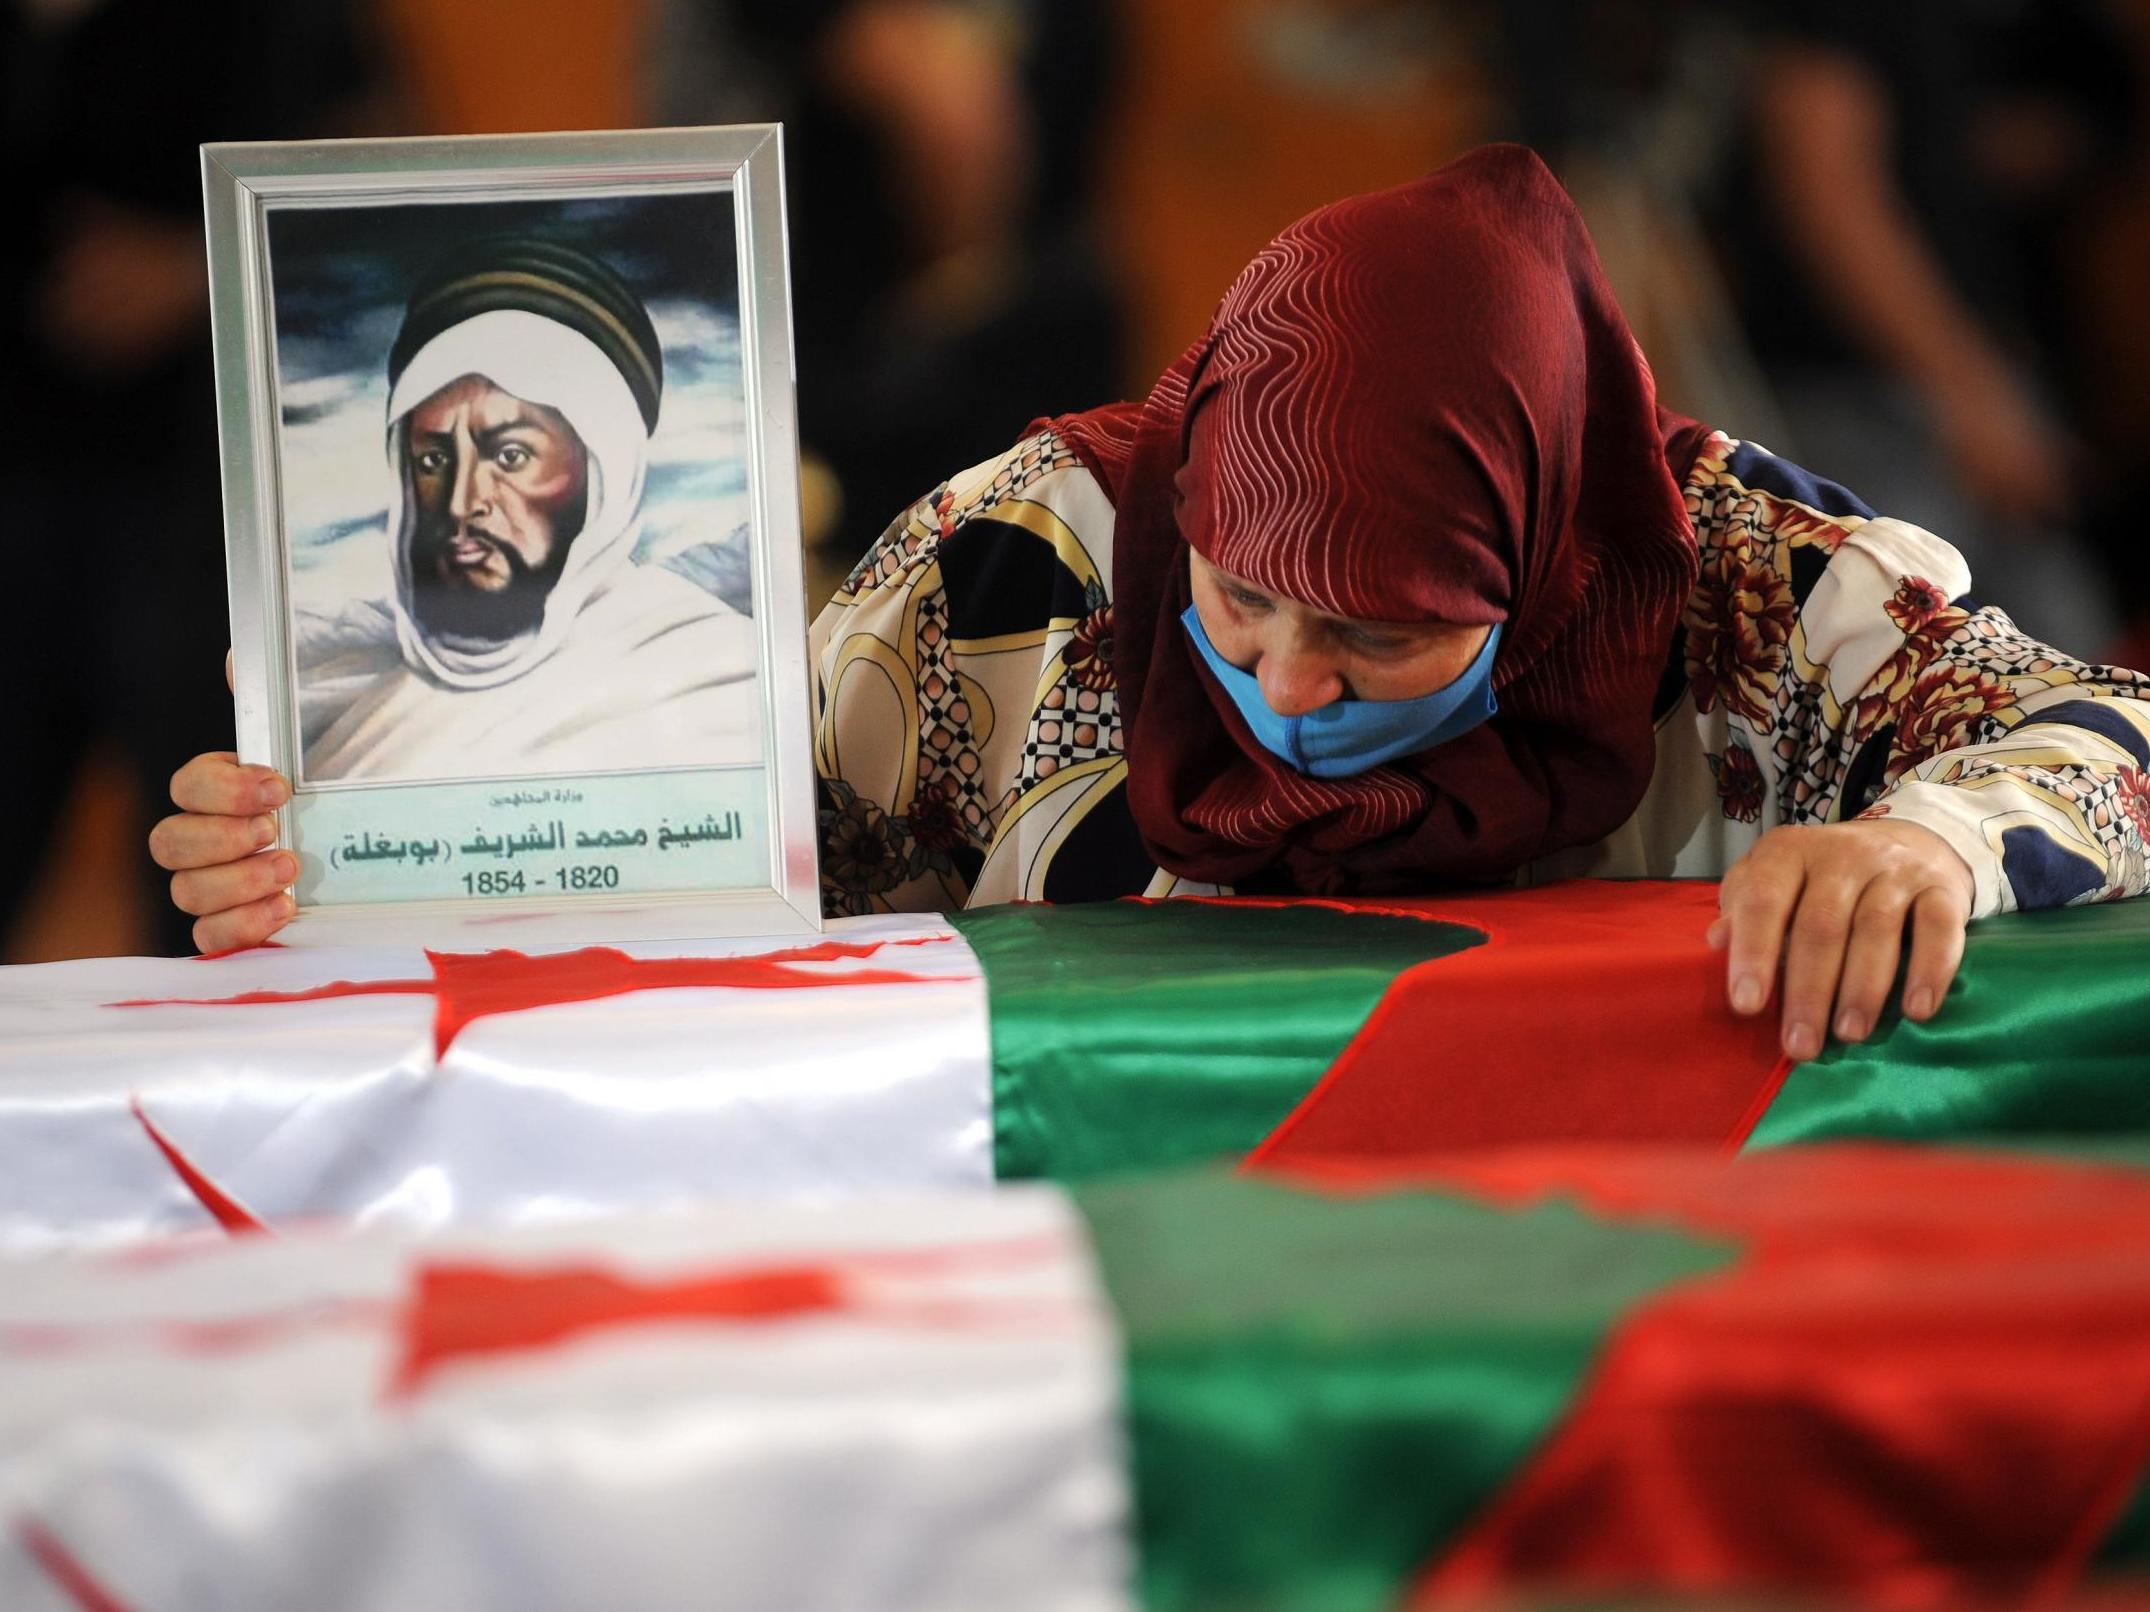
x=220 y=850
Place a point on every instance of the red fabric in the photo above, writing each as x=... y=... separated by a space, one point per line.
x=243 y=1334
x=467 y=1311
x=476 y=985
x=472 y=1310
x=1925 y=1382
x=67 y=1574
x=1418 y=405
x=1594 y=1012
x=226 y=1210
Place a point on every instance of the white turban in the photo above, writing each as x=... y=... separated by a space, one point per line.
x=540 y=361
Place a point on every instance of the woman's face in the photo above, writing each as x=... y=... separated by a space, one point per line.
x=1304 y=659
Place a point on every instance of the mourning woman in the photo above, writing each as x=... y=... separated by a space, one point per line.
x=1400 y=580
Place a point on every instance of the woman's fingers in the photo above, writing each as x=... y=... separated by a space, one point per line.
x=220 y=785
x=1938 y=917
x=1876 y=945
x=1830 y=905
x=1814 y=957
x=205 y=892
x=240 y=927
x=218 y=849
x=193 y=840
x=1755 y=904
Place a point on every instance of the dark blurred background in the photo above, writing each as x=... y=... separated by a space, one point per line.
x=1905 y=242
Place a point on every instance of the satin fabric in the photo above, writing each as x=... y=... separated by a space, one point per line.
x=380 y=1085
x=1321 y=1390
x=1122 y=1035
x=1133 y=1034
x=2126 y=1548
x=1541 y=1373
x=1925 y=1383
x=1596 y=1012
x=1421 y=405
x=908 y=1403
x=1591 y=1011
x=2046 y=1032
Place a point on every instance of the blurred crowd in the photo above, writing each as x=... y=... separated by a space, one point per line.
x=1904 y=243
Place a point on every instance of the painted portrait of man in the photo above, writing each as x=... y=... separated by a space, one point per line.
x=523 y=634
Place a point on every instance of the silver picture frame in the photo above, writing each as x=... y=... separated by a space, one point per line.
x=441 y=811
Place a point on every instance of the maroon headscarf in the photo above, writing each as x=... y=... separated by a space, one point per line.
x=1420 y=405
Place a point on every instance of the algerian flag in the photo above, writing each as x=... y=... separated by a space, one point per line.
x=283 y=1086
x=280 y=1087
x=1903 y=1376
x=1128 y=1035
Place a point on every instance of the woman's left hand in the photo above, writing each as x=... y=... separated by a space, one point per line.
x=1831 y=903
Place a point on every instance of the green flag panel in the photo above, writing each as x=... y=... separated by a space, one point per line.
x=2126 y=1550
x=1134 y=1034
x=2045 y=1034
x=1323 y=1390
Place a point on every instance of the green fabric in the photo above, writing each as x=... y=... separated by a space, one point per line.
x=2127 y=1548
x=2046 y=1032
x=1128 y=1035
x=1323 y=1390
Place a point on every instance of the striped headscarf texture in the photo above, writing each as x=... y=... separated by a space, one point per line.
x=1417 y=405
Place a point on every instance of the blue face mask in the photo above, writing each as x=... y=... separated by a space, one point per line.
x=1349 y=736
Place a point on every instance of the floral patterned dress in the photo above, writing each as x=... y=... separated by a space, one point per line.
x=1830 y=664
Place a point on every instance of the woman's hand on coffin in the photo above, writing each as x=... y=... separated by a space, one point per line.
x=1832 y=904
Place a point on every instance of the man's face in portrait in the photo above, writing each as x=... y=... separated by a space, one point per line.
x=499 y=488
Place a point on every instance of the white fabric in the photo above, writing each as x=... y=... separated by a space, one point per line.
x=231 y=1425
x=1846 y=628
x=338 y=1108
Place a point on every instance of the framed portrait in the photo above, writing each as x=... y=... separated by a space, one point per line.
x=511 y=503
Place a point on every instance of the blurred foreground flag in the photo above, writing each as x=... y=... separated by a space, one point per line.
x=913 y=1407
x=1915 y=1378
x=281 y=1087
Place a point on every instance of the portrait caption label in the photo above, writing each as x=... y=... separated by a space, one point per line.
x=533 y=838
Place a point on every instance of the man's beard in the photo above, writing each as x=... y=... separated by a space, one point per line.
x=467 y=615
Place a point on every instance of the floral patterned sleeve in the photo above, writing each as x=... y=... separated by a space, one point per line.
x=1843 y=669
x=888 y=840
x=967 y=729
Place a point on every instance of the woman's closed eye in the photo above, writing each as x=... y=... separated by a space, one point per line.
x=1369 y=641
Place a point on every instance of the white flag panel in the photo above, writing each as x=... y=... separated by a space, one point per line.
x=138 y=1096
x=894 y=1403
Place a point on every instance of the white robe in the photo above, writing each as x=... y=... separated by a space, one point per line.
x=654 y=672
